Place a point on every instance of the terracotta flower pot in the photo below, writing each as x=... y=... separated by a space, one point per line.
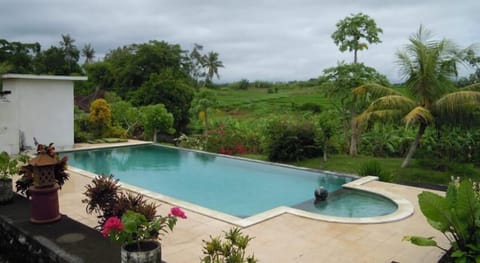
x=6 y=191
x=150 y=252
x=44 y=204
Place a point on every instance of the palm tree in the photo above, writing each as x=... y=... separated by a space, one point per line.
x=203 y=101
x=89 y=53
x=429 y=67
x=211 y=63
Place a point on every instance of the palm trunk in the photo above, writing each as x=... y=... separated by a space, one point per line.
x=355 y=56
x=353 y=137
x=155 y=135
x=205 y=130
x=414 y=146
x=325 y=146
x=345 y=130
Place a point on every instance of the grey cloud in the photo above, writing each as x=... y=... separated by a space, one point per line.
x=257 y=40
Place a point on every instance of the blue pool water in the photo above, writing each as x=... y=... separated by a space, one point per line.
x=237 y=187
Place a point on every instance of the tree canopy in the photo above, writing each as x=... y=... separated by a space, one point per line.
x=352 y=30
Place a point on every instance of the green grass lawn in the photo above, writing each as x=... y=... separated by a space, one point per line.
x=414 y=174
x=257 y=103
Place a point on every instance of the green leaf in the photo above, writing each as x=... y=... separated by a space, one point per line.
x=421 y=241
x=451 y=194
x=436 y=209
x=467 y=205
x=457 y=254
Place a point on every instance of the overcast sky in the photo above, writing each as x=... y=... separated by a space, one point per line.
x=274 y=40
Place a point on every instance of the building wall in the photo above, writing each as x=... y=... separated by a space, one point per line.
x=40 y=107
x=9 y=137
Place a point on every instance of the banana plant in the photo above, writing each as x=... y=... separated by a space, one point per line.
x=457 y=216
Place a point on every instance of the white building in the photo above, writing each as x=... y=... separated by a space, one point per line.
x=37 y=106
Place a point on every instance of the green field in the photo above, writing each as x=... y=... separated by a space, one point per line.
x=254 y=103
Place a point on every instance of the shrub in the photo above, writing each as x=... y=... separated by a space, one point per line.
x=106 y=200
x=191 y=142
x=81 y=125
x=291 y=141
x=100 y=116
x=451 y=144
x=386 y=140
x=116 y=132
x=374 y=168
x=231 y=249
x=310 y=106
x=234 y=137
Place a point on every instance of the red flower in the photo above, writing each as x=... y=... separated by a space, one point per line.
x=113 y=223
x=176 y=211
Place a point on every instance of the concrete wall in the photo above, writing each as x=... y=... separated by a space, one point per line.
x=40 y=107
x=9 y=136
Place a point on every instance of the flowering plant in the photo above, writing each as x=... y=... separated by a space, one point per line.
x=134 y=227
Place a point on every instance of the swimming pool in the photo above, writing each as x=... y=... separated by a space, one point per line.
x=237 y=187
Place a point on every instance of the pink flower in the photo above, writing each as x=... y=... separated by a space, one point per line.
x=176 y=211
x=113 y=223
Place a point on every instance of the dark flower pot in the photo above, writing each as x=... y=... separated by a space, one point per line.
x=6 y=191
x=150 y=252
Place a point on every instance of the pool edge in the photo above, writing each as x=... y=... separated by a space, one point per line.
x=404 y=207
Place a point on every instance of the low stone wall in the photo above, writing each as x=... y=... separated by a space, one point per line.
x=17 y=246
x=63 y=241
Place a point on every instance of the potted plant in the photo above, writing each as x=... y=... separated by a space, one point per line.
x=129 y=218
x=140 y=236
x=8 y=168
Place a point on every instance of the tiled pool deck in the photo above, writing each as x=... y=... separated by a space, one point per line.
x=287 y=237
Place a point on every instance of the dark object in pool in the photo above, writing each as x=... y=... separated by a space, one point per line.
x=321 y=194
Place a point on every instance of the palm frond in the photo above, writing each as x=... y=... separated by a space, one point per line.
x=419 y=115
x=385 y=114
x=457 y=102
x=472 y=87
x=398 y=102
x=374 y=90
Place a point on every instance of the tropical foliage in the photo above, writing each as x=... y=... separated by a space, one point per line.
x=339 y=82
x=231 y=249
x=204 y=101
x=429 y=67
x=456 y=215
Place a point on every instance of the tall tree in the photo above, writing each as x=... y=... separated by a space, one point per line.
x=211 y=64
x=203 y=101
x=340 y=81
x=352 y=30
x=169 y=90
x=18 y=56
x=156 y=119
x=71 y=53
x=89 y=53
x=197 y=62
x=61 y=60
x=133 y=65
x=429 y=67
